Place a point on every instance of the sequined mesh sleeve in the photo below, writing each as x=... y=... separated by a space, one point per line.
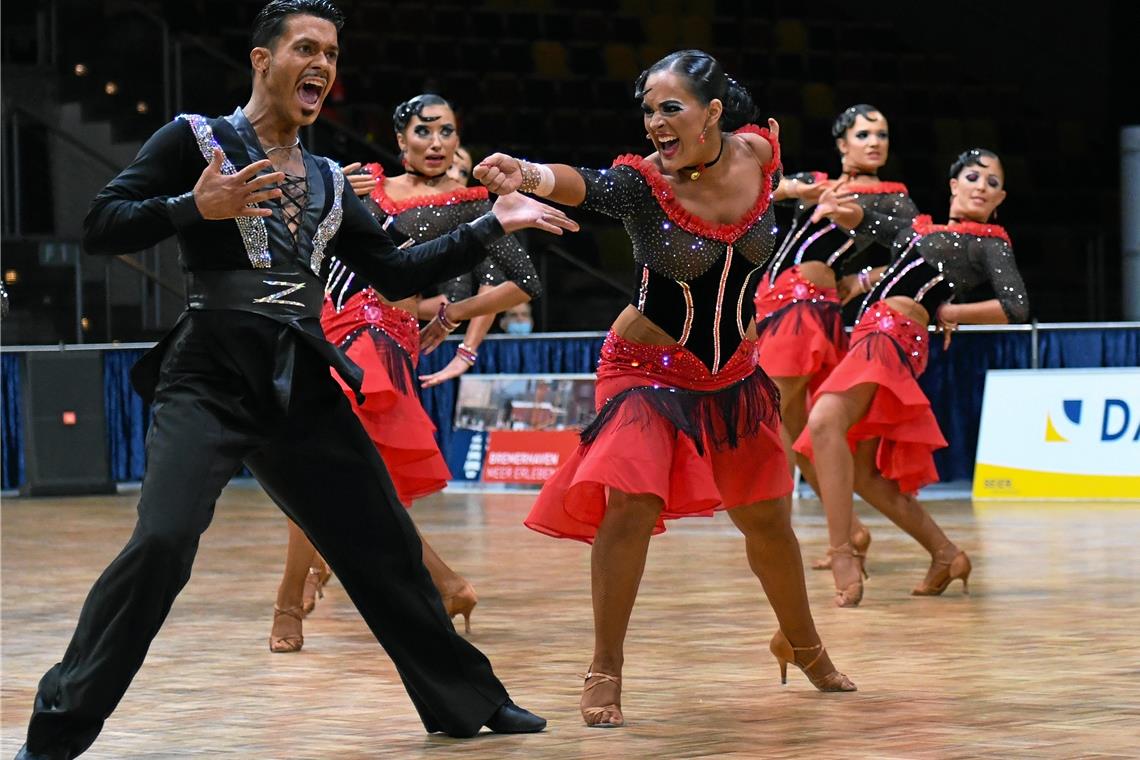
x=996 y=256
x=616 y=192
x=506 y=257
x=468 y=284
x=883 y=216
x=507 y=260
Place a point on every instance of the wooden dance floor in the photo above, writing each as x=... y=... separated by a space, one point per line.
x=1043 y=660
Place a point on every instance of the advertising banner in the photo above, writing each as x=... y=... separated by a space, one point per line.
x=1059 y=434
x=519 y=428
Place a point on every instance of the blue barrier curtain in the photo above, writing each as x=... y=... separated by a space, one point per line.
x=954 y=382
x=127 y=416
x=1089 y=348
x=11 y=422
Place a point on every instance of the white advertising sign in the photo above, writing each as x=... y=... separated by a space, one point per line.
x=1059 y=434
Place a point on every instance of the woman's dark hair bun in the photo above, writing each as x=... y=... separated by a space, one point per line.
x=404 y=112
x=971 y=157
x=707 y=81
x=845 y=120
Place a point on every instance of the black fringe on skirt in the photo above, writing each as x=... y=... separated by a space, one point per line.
x=827 y=314
x=881 y=347
x=723 y=416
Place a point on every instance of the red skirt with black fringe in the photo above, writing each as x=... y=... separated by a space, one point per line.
x=891 y=351
x=799 y=328
x=384 y=342
x=668 y=427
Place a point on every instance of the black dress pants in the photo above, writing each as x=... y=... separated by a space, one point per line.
x=213 y=411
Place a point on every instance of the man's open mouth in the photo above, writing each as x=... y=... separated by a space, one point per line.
x=311 y=90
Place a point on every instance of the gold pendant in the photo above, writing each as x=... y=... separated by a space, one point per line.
x=695 y=176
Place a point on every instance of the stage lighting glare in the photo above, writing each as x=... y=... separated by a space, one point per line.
x=11 y=277
x=80 y=70
x=110 y=88
x=142 y=107
x=85 y=323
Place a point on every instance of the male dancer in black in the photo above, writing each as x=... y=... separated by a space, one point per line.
x=244 y=377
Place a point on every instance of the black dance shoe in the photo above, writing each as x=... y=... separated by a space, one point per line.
x=27 y=754
x=512 y=719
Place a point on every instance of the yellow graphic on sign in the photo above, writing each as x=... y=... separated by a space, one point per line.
x=1051 y=434
x=997 y=482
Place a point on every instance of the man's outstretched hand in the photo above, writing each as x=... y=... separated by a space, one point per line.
x=516 y=212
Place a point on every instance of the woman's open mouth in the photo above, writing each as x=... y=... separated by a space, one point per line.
x=668 y=146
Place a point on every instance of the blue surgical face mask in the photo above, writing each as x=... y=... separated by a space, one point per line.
x=519 y=328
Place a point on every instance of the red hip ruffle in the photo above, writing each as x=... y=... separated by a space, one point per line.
x=699 y=449
x=799 y=327
x=889 y=350
x=383 y=341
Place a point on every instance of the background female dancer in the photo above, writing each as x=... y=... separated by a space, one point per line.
x=687 y=422
x=799 y=320
x=871 y=427
x=383 y=337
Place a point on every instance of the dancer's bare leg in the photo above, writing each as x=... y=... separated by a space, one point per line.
x=774 y=556
x=831 y=417
x=793 y=411
x=617 y=562
x=286 y=635
x=794 y=416
x=903 y=509
x=458 y=594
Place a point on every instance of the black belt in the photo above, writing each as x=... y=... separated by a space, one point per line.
x=290 y=297
x=283 y=295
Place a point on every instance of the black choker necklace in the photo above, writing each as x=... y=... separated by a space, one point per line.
x=857 y=175
x=428 y=177
x=696 y=171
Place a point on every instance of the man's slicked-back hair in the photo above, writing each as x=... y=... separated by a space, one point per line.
x=270 y=21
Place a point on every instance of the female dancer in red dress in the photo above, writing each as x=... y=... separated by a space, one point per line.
x=799 y=322
x=383 y=338
x=870 y=427
x=687 y=422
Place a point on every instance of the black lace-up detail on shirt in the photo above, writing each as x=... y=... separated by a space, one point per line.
x=294 y=198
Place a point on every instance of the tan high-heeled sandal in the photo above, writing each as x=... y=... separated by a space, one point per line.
x=851 y=594
x=784 y=653
x=462 y=603
x=290 y=643
x=861 y=540
x=593 y=716
x=314 y=587
x=943 y=572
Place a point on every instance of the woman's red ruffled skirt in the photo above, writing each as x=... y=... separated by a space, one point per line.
x=891 y=351
x=799 y=327
x=384 y=342
x=668 y=427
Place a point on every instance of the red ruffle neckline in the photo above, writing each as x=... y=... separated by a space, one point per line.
x=877 y=188
x=924 y=225
x=690 y=222
x=394 y=207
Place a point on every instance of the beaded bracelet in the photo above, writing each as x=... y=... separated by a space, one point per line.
x=530 y=177
x=466 y=354
x=537 y=179
x=444 y=322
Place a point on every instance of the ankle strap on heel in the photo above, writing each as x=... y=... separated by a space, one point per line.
x=847 y=549
x=605 y=678
x=820 y=647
